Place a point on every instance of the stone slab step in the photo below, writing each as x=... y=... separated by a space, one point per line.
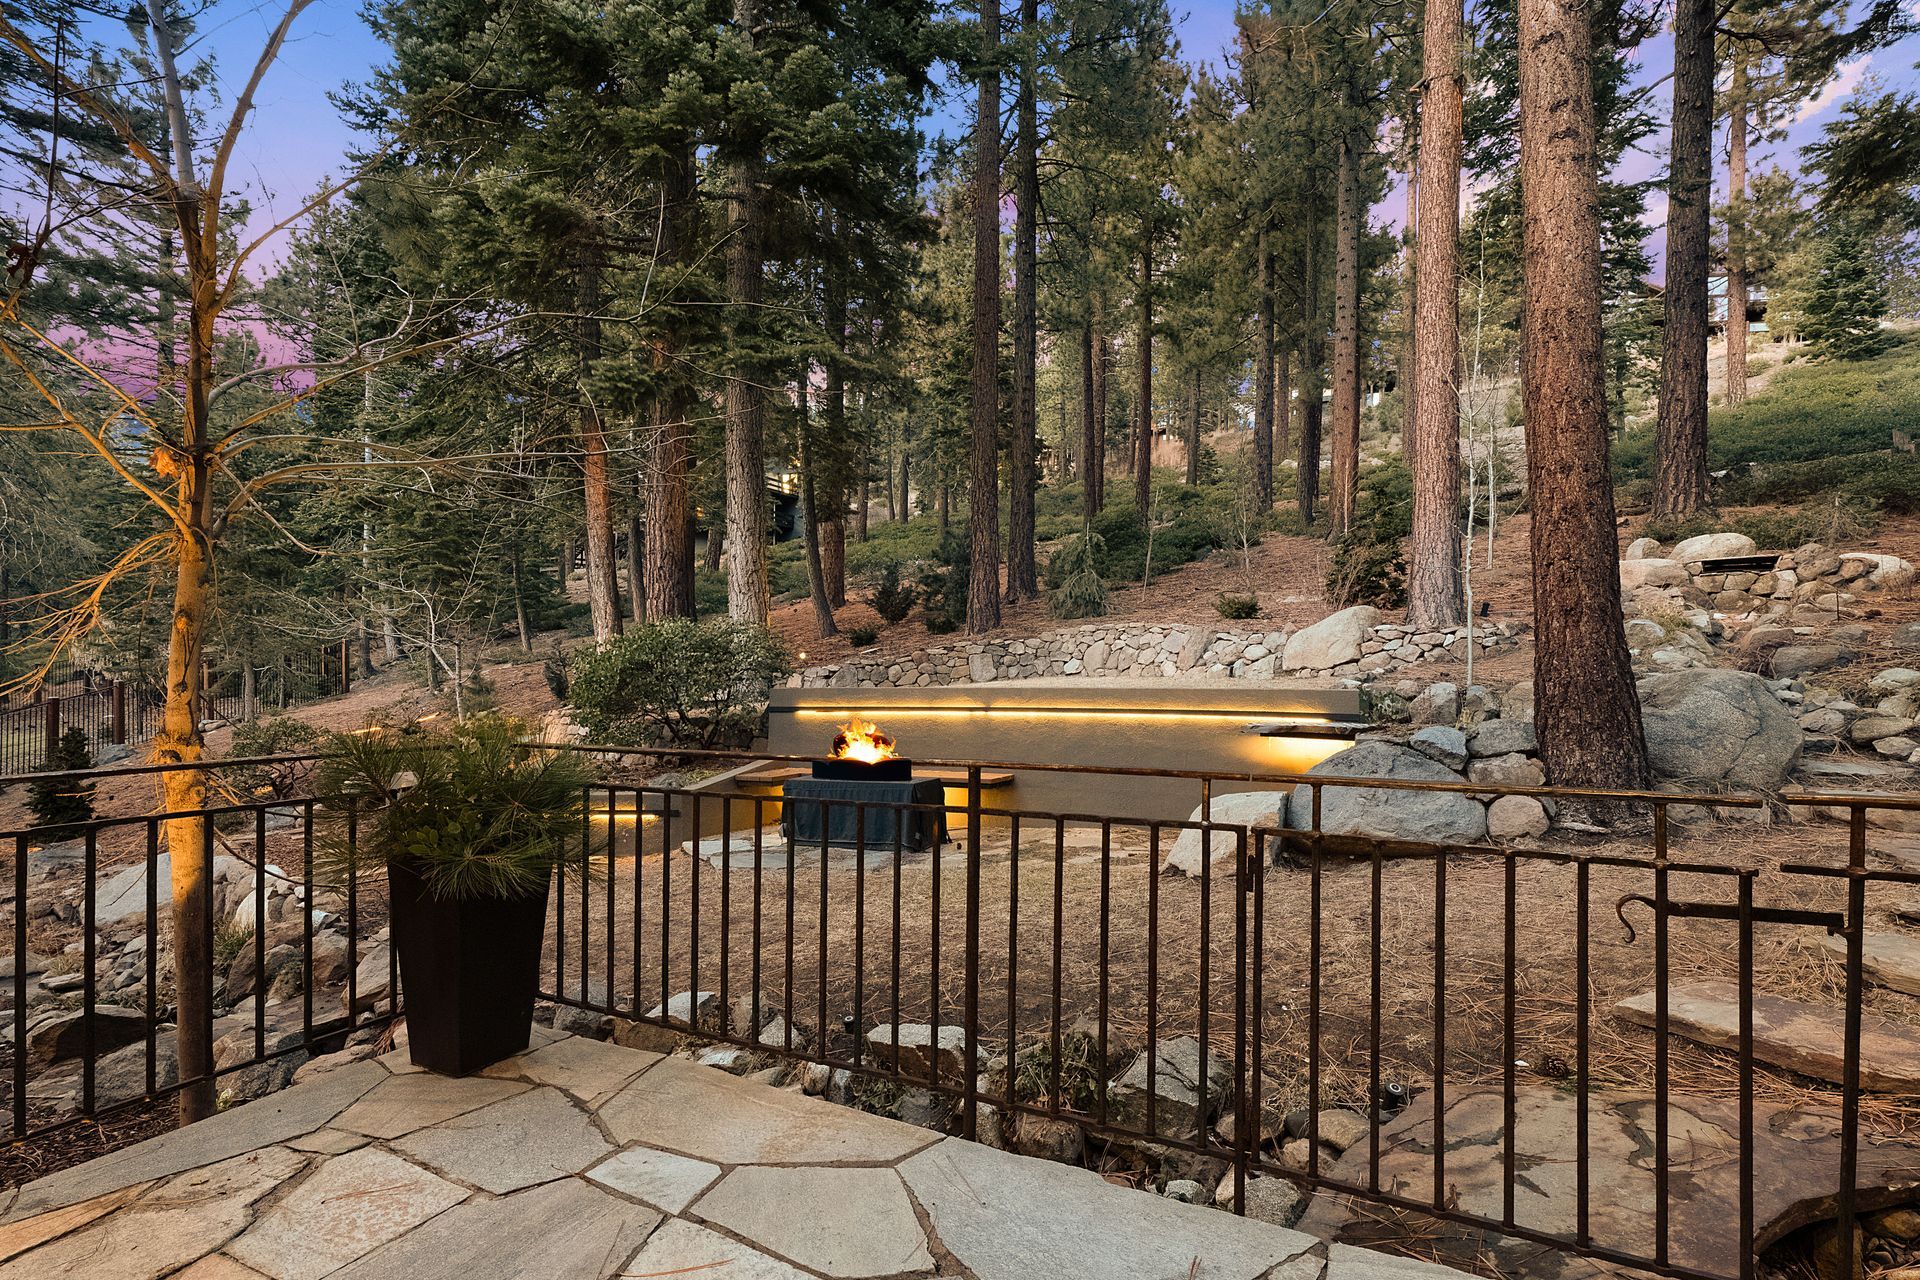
x=1891 y=960
x=1801 y=1037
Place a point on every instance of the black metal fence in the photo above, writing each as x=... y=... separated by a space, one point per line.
x=1045 y=970
x=1316 y=970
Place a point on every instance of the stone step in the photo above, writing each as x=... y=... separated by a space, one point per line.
x=1801 y=1037
x=1891 y=960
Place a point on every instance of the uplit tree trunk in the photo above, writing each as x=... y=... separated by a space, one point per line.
x=983 y=498
x=1585 y=709
x=1023 y=576
x=1680 y=435
x=1346 y=340
x=1436 y=596
x=1263 y=379
x=603 y=588
x=667 y=468
x=1143 y=410
x=747 y=591
x=1737 y=236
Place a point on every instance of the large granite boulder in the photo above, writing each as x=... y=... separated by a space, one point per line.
x=1651 y=572
x=1717 y=728
x=1441 y=817
x=1713 y=546
x=1240 y=809
x=1331 y=642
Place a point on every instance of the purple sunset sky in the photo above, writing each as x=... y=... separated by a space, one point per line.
x=296 y=138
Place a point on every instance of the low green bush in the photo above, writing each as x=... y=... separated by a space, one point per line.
x=61 y=805
x=943 y=587
x=680 y=683
x=1236 y=608
x=892 y=599
x=861 y=637
x=279 y=735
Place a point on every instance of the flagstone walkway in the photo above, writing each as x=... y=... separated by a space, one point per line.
x=583 y=1159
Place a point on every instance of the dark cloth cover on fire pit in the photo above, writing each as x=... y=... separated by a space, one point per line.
x=810 y=801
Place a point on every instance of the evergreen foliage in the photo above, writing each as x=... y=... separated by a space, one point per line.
x=1846 y=302
x=63 y=803
x=679 y=683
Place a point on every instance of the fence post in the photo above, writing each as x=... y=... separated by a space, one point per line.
x=970 y=1097
x=52 y=706
x=119 y=732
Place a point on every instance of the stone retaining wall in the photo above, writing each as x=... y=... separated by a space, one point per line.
x=1349 y=643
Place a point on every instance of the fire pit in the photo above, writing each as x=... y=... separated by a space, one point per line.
x=865 y=769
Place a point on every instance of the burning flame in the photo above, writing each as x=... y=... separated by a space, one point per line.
x=862 y=740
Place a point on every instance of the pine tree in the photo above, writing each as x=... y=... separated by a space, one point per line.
x=1846 y=303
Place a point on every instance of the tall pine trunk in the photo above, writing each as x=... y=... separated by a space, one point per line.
x=983 y=498
x=1090 y=390
x=1585 y=708
x=1097 y=419
x=1737 y=236
x=1680 y=436
x=833 y=390
x=1436 y=596
x=1193 y=429
x=810 y=523
x=603 y=586
x=667 y=472
x=1263 y=353
x=1282 y=408
x=1023 y=576
x=746 y=444
x=1143 y=410
x=1348 y=216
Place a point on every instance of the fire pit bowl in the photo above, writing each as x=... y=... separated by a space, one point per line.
x=891 y=769
x=865 y=796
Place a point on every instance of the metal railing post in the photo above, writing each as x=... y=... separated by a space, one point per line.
x=970 y=1096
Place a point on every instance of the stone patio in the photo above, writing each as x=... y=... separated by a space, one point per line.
x=583 y=1159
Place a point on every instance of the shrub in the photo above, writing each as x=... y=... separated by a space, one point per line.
x=861 y=637
x=943 y=587
x=892 y=599
x=554 y=672
x=270 y=736
x=62 y=804
x=1367 y=566
x=1236 y=608
x=680 y=683
x=1078 y=591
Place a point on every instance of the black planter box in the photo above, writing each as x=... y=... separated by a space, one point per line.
x=823 y=809
x=469 y=971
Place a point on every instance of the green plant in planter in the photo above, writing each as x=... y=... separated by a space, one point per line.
x=470 y=827
x=468 y=809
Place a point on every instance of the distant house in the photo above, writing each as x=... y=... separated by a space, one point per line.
x=1717 y=305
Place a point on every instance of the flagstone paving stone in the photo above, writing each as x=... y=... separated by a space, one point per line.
x=590 y=1070
x=400 y=1104
x=681 y=1247
x=764 y=1184
x=711 y=1115
x=840 y=1222
x=183 y=1220
x=274 y=1118
x=351 y=1206
x=982 y=1201
x=561 y=1231
x=530 y=1138
x=1890 y=959
x=662 y=1179
x=1787 y=1033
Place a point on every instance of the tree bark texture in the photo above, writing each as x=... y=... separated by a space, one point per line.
x=983 y=503
x=667 y=470
x=1282 y=409
x=1346 y=340
x=1585 y=708
x=1023 y=574
x=1263 y=379
x=1436 y=595
x=1737 y=237
x=810 y=523
x=745 y=410
x=1143 y=409
x=1089 y=425
x=1680 y=435
x=1193 y=429
x=603 y=585
x=1096 y=464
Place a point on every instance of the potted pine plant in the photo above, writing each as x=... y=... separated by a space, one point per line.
x=469 y=827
